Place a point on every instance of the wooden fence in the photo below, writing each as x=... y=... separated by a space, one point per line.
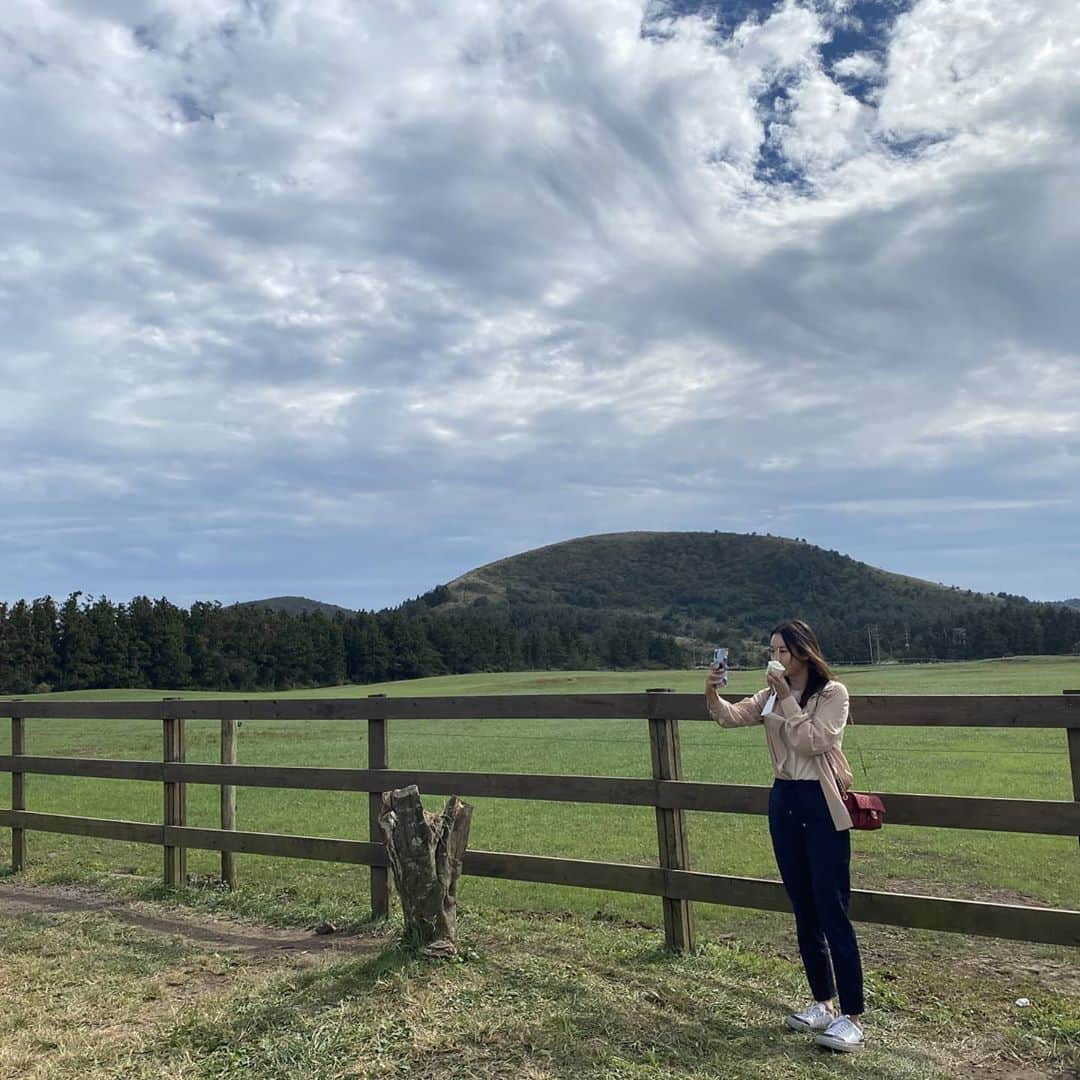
x=672 y=880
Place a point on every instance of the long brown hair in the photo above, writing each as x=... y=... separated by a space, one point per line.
x=803 y=644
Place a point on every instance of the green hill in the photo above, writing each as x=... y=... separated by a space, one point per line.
x=729 y=588
x=627 y=601
x=296 y=605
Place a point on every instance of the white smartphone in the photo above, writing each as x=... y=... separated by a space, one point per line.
x=719 y=661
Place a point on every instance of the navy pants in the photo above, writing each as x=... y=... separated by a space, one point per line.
x=815 y=865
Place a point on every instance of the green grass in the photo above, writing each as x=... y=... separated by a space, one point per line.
x=1009 y=675
x=558 y=982
x=958 y=761
x=532 y=998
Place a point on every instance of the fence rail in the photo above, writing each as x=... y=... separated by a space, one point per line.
x=1044 y=817
x=672 y=880
x=1010 y=711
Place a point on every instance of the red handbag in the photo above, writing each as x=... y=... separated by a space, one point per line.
x=866 y=811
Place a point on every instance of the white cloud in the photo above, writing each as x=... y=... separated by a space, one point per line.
x=975 y=65
x=374 y=271
x=784 y=41
x=859 y=65
x=825 y=127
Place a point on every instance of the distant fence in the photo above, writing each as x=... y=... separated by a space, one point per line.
x=666 y=791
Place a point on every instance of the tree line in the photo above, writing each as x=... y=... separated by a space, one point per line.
x=1009 y=626
x=89 y=643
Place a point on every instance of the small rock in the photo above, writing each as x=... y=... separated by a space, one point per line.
x=1023 y=1003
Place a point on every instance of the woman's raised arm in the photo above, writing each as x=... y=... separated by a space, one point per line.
x=741 y=713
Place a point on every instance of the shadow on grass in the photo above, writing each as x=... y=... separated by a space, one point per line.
x=701 y=1014
x=293 y=1026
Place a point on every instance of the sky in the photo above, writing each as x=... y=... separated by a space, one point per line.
x=344 y=299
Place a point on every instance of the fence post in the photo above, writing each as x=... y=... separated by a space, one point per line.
x=228 y=800
x=377 y=759
x=18 y=795
x=670 y=825
x=174 y=749
x=1072 y=736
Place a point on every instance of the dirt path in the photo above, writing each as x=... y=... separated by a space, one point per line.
x=249 y=939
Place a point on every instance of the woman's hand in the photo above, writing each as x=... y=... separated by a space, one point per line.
x=778 y=684
x=712 y=679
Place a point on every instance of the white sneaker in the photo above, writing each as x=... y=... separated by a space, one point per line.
x=842 y=1034
x=816 y=1018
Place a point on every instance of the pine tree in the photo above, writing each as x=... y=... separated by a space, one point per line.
x=19 y=649
x=140 y=619
x=329 y=667
x=173 y=665
x=205 y=646
x=79 y=667
x=45 y=634
x=6 y=672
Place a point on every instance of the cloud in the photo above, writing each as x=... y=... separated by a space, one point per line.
x=860 y=65
x=348 y=299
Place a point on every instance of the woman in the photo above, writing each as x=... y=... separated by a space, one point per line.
x=804 y=711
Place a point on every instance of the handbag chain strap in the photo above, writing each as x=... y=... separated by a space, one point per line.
x=858 y=750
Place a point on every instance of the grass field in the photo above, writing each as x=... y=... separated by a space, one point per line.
x=558 y=982
x=97 y=995
x=947 y=761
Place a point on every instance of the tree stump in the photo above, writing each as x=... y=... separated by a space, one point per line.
x=425 y=852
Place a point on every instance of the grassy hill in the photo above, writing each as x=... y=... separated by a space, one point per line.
x=705 y=572
x=296 y=605
x=729 y=588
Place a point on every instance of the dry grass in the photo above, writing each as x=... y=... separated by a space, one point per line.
x=96 y=995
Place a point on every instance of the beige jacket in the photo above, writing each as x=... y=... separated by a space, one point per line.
x=801 y=742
